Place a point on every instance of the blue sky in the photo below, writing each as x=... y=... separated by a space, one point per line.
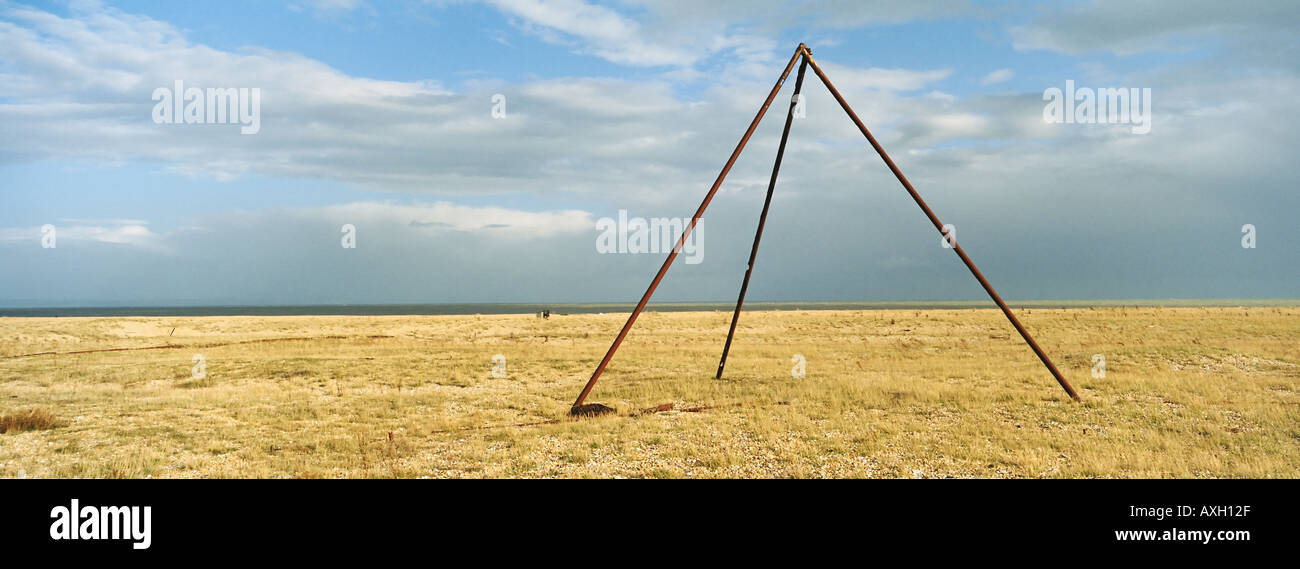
x=378 y=115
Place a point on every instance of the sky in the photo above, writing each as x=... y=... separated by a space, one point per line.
x=469 y=150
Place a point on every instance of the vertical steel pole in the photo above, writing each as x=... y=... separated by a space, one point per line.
x=762 y=217
x=938 y=225
x=689 y=227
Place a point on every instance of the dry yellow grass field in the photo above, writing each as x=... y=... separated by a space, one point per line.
x=1187 y=392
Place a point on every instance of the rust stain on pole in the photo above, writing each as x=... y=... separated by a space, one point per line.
x=689 y=227
x=938 y=225
x=762 y=218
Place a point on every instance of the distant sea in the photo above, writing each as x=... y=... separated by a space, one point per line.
x=592 y=308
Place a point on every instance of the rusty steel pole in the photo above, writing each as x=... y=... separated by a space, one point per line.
x=762 y=217
x=938 y=225
x=800 y=51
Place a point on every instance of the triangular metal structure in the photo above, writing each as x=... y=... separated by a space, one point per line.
x=804 y=56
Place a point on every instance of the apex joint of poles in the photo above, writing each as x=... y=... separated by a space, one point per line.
x=803 y=56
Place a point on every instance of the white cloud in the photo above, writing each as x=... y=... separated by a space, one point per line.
x=82 y=87
x=444 y=216
x=119 y=232
x=997 y=76
x=687 y=33
x=327 y=8
x=887 y=79
x=600 y=30
x=77 y=221
x=1122 y=27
